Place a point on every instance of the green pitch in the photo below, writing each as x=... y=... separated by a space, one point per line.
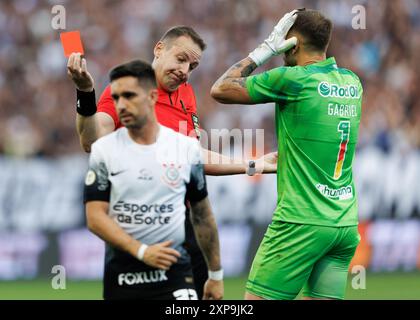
x=378 y=286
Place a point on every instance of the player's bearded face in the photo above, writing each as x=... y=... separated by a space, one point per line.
x=175 y=61
x=133 y=103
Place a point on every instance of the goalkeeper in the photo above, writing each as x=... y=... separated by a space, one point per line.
x=313 y=235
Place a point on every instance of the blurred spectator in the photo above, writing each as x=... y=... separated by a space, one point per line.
x=37 y=112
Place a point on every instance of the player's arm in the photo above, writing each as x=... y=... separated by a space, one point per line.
x=231 y=86
x=159 y=255
x=216 y=164
x=89 y=124
x=96 y=197
x=206 y=232
x=91 y=128
x=107 y=229
x=205 y=227
x=207 y=237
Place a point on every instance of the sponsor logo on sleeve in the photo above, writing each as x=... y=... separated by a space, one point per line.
x=90 y=178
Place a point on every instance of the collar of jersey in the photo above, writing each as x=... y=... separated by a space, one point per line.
x=145 y=147
x=327 y=62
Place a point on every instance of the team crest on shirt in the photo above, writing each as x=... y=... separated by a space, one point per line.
x=171 y=175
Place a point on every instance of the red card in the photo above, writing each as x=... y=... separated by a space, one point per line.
x=71 y=42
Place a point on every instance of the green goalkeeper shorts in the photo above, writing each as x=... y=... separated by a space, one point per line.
x=295 y=256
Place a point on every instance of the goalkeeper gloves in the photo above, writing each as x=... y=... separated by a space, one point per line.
x=276 y=43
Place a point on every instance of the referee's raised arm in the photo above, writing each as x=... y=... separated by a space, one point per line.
x=90 y=125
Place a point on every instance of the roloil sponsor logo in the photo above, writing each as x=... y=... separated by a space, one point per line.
x=153 y=276
x=343 y=193
x=326 y=89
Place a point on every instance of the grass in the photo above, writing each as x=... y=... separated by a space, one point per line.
x=387 y=286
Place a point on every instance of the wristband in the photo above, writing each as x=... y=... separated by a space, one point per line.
x=142 y=250
x=86 y=103
x=261 y=54
x=216 y=275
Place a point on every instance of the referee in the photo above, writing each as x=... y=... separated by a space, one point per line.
x=135 y=188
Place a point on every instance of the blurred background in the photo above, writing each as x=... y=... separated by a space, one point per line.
x=42 y=165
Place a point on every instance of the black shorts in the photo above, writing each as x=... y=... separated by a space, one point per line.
x=128 y=278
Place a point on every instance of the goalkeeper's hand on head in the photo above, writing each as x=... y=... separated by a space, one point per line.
x=276 y=43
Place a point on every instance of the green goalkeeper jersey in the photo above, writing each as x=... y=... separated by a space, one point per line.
x=318 y=110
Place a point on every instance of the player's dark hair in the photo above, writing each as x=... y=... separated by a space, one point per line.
x=139 y=69
x=315 y=28
x=179 y=31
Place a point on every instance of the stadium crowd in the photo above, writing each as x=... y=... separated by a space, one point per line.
x=37 y=100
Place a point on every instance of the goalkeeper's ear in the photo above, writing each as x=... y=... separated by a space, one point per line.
x=293 y=42
x=290 y=43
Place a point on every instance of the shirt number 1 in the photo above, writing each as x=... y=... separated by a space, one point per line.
x=344 y=128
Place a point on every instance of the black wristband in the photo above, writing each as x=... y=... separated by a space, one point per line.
x=86 y=103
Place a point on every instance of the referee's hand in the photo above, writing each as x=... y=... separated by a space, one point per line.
x=161 y=255
x=213 y=290
x=267 y=163
x=78 y=73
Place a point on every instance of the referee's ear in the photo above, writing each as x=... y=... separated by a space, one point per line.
x=153 y=96
x=157 y=51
